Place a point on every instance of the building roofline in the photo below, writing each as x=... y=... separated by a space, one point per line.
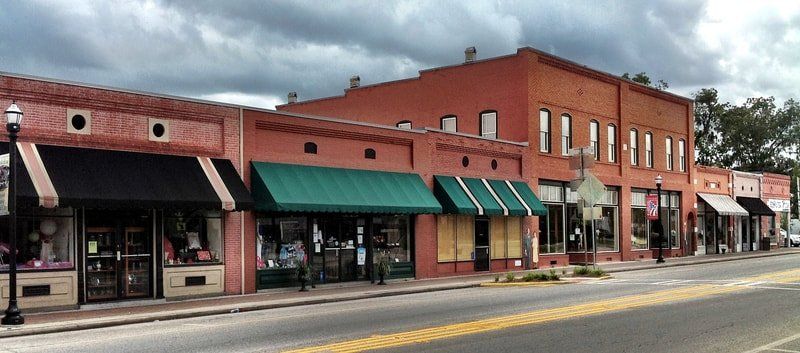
x=117 y=89
x=332 y=120
x=461 y=134
x=714 y=169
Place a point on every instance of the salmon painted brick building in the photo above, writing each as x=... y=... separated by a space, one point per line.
x=552 y=105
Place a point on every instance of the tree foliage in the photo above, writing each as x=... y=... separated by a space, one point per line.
x=645 y=80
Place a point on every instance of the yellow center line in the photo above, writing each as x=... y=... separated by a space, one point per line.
x=541 y=316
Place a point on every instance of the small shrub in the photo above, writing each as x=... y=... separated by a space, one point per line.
x=539 y=276
x=529 y=277
x=598 y=272
x=564 y=272
x=497 y=278
x=509 y=277
x=553 y=276
x=580 y=271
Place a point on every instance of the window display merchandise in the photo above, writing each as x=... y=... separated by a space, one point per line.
x=44 y=240
x=192 y=238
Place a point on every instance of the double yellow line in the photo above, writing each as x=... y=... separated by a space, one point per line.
x=541 y=316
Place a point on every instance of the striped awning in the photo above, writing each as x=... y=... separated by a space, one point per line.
x=486 y=197
x=723 y=204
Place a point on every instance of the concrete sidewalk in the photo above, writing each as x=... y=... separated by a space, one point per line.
x=147 y=311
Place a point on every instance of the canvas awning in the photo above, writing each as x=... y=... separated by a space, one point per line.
x=486 y=197
x=299 y=188
x=755 y=206
x=723 y=204
x=58 y=176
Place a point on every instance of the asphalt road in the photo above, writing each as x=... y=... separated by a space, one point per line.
x=733 y=306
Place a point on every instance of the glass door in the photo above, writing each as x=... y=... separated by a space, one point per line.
x=118 y=257
x=342 y=236
x=481 y=244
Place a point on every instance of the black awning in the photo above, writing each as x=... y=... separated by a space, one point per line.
x=755 y=206
x=26 y=193
x=95 y=178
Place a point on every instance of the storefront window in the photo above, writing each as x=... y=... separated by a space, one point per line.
x=281 y=242
x=506 y=237
x=606 y=229
x=551 y=227
x=390 y=235
x=446 y=238
x=639 y=228
x=670 y=221
x=575 y=229
x=45 y=240
x=193 y=238
x=498 y=237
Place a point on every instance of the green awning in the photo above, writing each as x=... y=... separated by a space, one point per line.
x=486 y=197
x=298 y=188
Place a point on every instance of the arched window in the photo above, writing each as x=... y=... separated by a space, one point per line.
x=634 y=147
x=612 y=143
x=449 y=123
x=594 y=138
x=682 y=154
x=566 y=134
x=369 y=153
x=310 y=148
x=488 y=124
x=668 y=149
x=404 y=124
x=544 y=130
x=648 y=149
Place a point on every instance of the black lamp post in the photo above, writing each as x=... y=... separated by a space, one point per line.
x=12 y=314
x=659 y=227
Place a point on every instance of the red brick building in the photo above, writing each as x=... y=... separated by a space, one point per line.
x=553 y=104
x=123 y=194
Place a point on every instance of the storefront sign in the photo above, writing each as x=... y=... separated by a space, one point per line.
x=651 y=201
x=362 y=256
x=4 y=173
x=778 y=205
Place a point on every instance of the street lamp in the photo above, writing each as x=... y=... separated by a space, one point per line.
x=658 y=226
x=14 y=116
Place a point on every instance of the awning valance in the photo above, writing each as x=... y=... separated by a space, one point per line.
x=486 y=197
x=298 y=188
x=723 y=204
x=755 y=206
x=58 y=176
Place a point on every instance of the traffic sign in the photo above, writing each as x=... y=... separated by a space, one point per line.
x=592 y=190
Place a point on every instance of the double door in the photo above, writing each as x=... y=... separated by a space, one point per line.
x=342 y=239
x=118 y=262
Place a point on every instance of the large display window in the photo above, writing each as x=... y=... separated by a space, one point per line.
x=456 y=237
x=192 y=238
x=564 y=223
x=281 y=242
x=506 y=237
x=640 y=232
x=390 y=236
x=45 y=240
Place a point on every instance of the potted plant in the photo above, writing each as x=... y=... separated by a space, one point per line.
x=303 y=273
x=383 y=269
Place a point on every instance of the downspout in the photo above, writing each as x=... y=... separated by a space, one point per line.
x=241 y=213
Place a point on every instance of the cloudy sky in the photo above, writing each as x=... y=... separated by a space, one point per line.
x=254 y=52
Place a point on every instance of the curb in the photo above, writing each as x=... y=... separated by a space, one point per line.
x=524 y=284
x=699 y=262
x=7 y=332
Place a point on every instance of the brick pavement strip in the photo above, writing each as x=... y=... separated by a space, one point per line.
x=50 y=322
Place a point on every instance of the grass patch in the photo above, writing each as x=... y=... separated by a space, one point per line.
x=510 y=277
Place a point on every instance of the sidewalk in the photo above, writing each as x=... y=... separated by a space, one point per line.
x=147 y=311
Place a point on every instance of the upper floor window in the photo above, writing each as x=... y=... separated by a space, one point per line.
x=566 y=134
x=310 y=147
x=668 y=148
x=449 y=123
x=634 y=147
x=489 y=124
x=405 y=124
x=544 y=130
x=612 y=143
x=648 y=149
x=682 y=154
x=594 y=138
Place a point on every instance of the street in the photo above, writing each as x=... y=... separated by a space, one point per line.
x=734 y=306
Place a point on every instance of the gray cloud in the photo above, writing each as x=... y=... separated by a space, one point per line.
x=264 y=49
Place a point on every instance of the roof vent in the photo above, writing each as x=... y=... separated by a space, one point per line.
x=292 y=97
x=355 y=81
x=469 y=54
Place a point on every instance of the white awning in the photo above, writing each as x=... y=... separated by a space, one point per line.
x=723 y=204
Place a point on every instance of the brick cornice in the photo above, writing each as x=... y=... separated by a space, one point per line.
x=583 y=72
x=655 y=94
x=477 y=151
x=325 y=132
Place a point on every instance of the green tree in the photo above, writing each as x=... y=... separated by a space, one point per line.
x=707 y=115
x=645 y=80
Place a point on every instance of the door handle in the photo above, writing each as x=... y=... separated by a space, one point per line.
x=119 y=255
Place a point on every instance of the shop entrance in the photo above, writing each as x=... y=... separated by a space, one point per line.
x=341 y=238
x=481 y=244
x=745 y=224
x=118 y=255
